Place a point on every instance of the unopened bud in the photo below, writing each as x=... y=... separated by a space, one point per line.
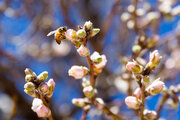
x=51 y=85
x=28 y=71
x=78 y=72
x=94 y=31
x=83 y=51
x=153 y=41
x=154 y=59
x=30 y=92
x=71 y=35
x=156 y=87
x=101 y=64
x=136 y=48
x=43 y=76
x=43 y=111
x=44 y=88
x=80 y=102
x=100 y=103
x=29 y=78
x=149 y=115
x=40 y=108
x=88 y=25
x=137 y=93
x=132 y=102
x=81 y=33
x=36 y=103
x=29 y=86
x=88 y=91
x=134 y=67
x=96 y=57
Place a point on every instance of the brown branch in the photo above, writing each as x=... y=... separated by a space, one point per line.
x=84 y=114
x=91 y=72
x=141 y=115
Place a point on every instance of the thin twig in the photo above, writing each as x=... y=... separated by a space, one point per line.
x=91 y=72
x=84 y=114
x=161 y=104
x=141 y=116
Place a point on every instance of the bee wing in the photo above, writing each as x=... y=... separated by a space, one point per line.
x=51 y=33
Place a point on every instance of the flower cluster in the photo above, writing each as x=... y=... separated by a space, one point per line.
x=40 y=91
x=146 y=89
x=96 y=63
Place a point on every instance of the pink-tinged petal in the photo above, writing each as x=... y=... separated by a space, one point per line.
x=36 y=103
x=102 y=64
x=71 y=35
x=156 y=87
x=78 y=72
x=134 y=67
x=83 y=51
x=88 y=91
x=43 y=111
x=137 y=93
x=132 y=102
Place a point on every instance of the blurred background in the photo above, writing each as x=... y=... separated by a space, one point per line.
x=24 y=25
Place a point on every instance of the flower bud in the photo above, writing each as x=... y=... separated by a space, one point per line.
x=29 y=78
x=96 y=57
x=43 y=76
x=78 y=72
x=153 y=41
x=156 y=87
x=71 y=35
x=88 y=91
x=44 y=88
x=36 y=103
x=134 y=67
x=85 y=82
x=51 y=85
x=145 y=80
x=150 y=115
x=154 y=59
x=83 y=51
x=99 y=66
x=43 y=111
x=81 y=33
x=137 y=93
x=94 y=31
x=132 y=102
x=100 y=103
x=40 y=108
x=29 y=86
x=102 y=63
x=88 y=25
x=80 y=102
x=30 y=93
x=28 y=71
x=136 y=49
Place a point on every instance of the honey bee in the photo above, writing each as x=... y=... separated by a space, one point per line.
x=59 y=34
